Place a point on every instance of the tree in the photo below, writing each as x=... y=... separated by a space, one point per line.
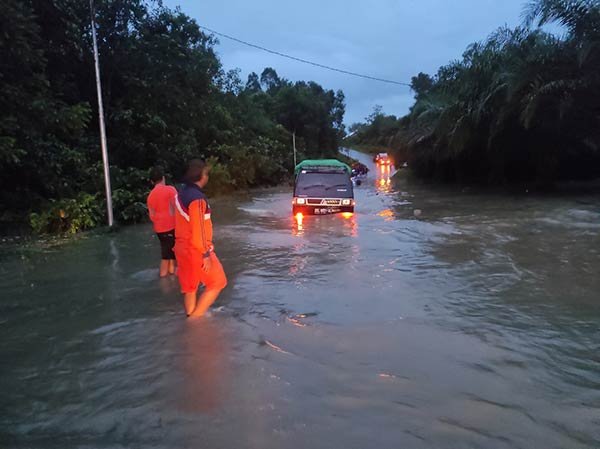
x=313 y=113
x=355 y=127
x=519 y=107
x=338 y=111
x=270 y=80
x=253 y=83
x=377 y=111
x=39 y=130
x=167 y=99
x=421 y=84
x=580 y=17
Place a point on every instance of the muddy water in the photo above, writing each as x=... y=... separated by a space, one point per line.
x=474 y=323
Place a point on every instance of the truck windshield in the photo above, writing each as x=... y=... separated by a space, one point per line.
x=323 y=185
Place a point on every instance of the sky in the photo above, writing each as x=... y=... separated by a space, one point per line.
x=391 y=39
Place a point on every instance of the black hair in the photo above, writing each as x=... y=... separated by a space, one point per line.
x=195 y=170
x=156 y=174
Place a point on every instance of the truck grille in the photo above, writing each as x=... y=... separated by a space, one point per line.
x=324 y=202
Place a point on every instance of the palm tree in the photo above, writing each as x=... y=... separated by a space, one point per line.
x=580 y=17
x=522 y=105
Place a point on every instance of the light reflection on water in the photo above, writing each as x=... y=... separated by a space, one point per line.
x=383 y=181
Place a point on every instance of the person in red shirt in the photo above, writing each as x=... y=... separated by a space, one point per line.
x=161 y=208
x=196 y=258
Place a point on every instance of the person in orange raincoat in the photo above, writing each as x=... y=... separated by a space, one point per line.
x=161 y=209
x=194 y=250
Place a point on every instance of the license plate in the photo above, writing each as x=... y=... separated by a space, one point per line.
x=327 y=210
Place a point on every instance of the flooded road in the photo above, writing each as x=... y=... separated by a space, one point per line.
x=472 y=324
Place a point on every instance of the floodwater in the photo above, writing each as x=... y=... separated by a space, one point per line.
x=474 y=324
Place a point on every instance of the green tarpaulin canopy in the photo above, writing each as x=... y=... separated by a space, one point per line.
x=321 y=164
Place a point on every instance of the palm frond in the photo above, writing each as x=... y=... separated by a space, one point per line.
x=576 y=15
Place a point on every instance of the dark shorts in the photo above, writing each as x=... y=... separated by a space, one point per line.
x=167 y=242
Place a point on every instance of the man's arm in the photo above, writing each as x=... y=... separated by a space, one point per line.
x=196 y=212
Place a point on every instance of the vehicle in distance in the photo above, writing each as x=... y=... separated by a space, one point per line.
x=321 y=187
x=382 y=159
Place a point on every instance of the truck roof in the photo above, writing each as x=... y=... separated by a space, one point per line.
x=322 y=165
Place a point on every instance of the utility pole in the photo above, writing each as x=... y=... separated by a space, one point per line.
x=294 y=143
x=101 y=120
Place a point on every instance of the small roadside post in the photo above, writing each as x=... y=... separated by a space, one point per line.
x=294 y=144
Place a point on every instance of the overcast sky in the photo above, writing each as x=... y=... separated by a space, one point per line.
x=393 y=39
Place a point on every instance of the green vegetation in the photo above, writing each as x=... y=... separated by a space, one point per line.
x=521 y=107
x=167 y=99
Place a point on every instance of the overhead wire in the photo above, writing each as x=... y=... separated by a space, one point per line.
x=305 y=61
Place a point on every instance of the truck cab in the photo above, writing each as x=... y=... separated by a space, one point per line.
x=321 y=187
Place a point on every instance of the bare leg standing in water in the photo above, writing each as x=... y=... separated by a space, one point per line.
x=167 y=268
x=216 y=281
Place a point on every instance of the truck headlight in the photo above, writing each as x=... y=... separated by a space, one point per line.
x=300 y=201
x=345 y=202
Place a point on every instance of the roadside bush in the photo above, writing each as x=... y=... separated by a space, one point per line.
x=130 y=190
x=68 y=216
x=130 y=206
x=242 y=167
x=220 y=179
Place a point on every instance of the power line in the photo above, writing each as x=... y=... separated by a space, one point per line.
x=316 y=64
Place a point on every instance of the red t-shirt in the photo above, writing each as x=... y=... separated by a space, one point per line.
x=161 y=207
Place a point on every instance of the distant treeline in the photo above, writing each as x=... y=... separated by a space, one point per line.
x=167 y=99
x=521 y=107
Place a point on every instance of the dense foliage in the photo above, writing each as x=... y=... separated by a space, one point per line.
x=166 y=97
x=521 y=107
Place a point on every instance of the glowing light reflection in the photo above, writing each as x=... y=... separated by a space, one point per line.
x=299 y=217
x=384 y=179
x=387 y=214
